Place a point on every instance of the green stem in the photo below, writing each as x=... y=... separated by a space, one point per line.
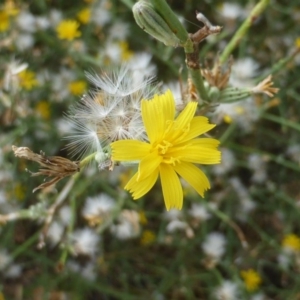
x=86 y=160
x=257 y=10
x=199 y=84
x=279 y=65
x=226 y=219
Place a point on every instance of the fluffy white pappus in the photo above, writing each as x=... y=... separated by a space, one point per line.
x=55 y=17
x=128 y=225
x=85 y=241
x=176 y=225
x=24 y=41
x=228 y=290
x=257 y=163
x=246 y=204
x=214 y=245
x=55 y=233
x=258 y=296
x=5 y=259
x=118 y=31
x=172 y=214
x=98 y=205
x=100 y=13
x=110 y=112
x=227 y=163
x=199 y=212
x=122 y=82
x=243 y=71
x=244 y=113
x=11 y=79
x=26 y=21
x=142 y=66
x=13 y=271
x=232 y=11
x=65 y=215
x=293 y=152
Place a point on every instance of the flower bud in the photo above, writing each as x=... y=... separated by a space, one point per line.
x=151 y=22
x=233 y=94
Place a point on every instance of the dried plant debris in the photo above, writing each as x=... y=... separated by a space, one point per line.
x=51 y=166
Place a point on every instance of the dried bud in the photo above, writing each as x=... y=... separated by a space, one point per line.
x=151 y=22
x=219 y=75
x=266 y=87
x=52 y=166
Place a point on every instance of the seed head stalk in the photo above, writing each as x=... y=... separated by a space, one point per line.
x=256 y=11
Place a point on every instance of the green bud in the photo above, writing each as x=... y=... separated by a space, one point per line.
x=233 y=94
x=213 y=94
x=151 y=22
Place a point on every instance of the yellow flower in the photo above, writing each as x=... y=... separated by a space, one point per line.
x=297 y=42
x=251 y=279
x=227 y=119
x=10 y=8
x=77 y=87
x=172 y=150
x=84 y=15
x=43 y=109
x=4 y=21
x=27 y=80
x=68 y=30
x=20 y=191
x=148 y=237
x=291 y=242
x=126 y=53
x=143 y=218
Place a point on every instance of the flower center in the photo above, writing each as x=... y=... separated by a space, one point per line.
x=162 y=149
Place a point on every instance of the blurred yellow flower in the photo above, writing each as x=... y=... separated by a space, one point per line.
x=84 y=15
x=227 y=119
x=27 y=80
x=148 y=237
x=10 y=8
x=251 y=279
x=6 y=12
x=77 y=87
x=20 y=191
x=126 y=53
x=172 y=150
x=291 y=242
x=297 y=42
x=143 y=218
x=68 y=30
x=4 y=21
x=43 y=108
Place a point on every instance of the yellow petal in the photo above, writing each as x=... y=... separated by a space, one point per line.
x=186 y=116
x=156 y=112
x=194 y=176
x=198 y=151
x=171 y=187
x=140 y=188
x=182 y=123
x=148 y=164
x=168 y=105
x=199 y=125
x=129 y=150
x=153 y=119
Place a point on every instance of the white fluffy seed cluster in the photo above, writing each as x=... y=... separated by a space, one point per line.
x=110 y=112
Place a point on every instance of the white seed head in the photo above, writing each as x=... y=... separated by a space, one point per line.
x=110 y=112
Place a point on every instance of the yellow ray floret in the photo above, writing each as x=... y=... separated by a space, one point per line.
x=174 y=147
